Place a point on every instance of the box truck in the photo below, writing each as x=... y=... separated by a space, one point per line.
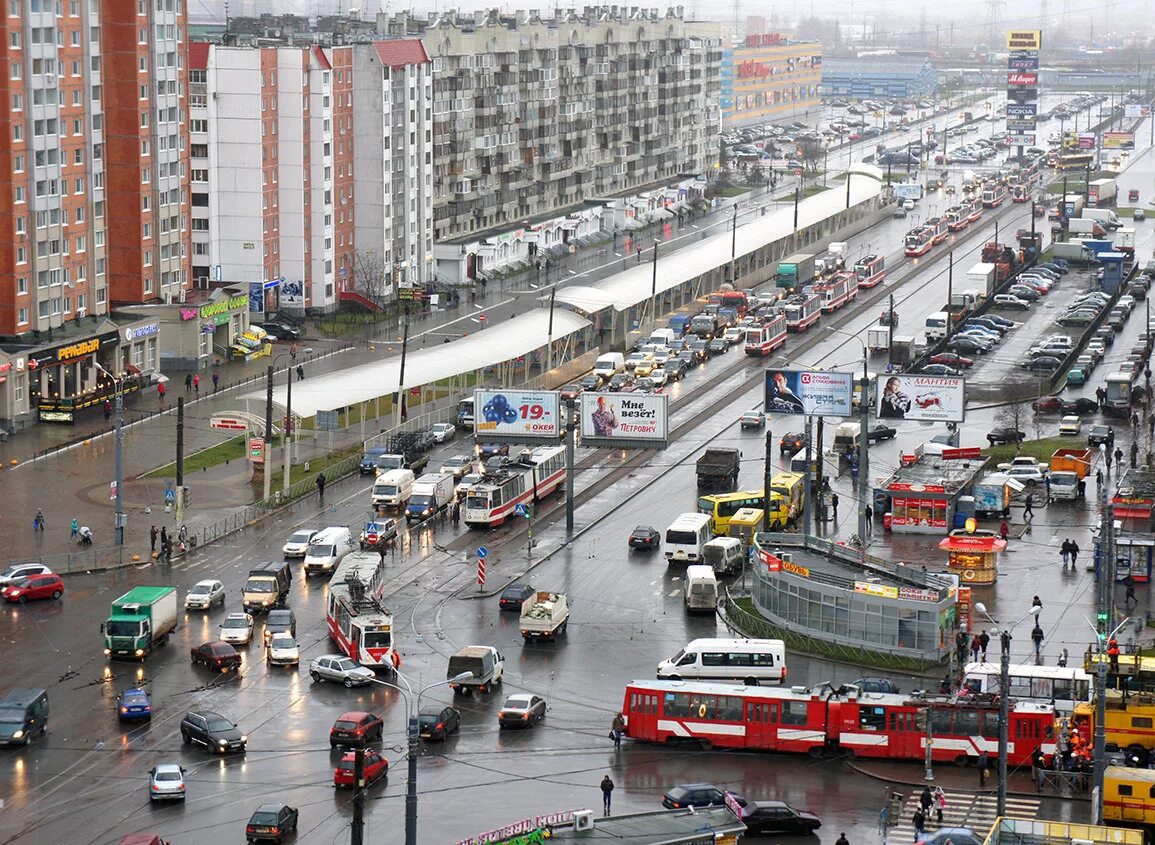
x=141 y=620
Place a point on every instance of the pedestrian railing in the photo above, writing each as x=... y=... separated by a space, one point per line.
x=84 y=559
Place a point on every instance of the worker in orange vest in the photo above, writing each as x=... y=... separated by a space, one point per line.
x=1113 y=654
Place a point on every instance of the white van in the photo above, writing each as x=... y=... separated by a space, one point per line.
x=701 y=590
x=609 y=364
x=936 y=325
x=686 y=538
x=724 y=555
x=327 y=549
x=392 y=489
x=662 y=337
x=749 y=661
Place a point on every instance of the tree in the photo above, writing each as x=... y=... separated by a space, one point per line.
x=811 y=151
x=1016 y=413
x=755 y=175
x=371 y=277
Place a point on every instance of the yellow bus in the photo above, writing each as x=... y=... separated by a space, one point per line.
x=790 y=486
x=721 y=507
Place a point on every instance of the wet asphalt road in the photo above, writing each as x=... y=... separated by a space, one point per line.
x=86 y=783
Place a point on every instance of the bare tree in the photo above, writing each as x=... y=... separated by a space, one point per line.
x=371 y=276
x=811 y=152
x=1016 y=413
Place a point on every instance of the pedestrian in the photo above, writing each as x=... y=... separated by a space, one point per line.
x=163 y=538
x=984 y=766
x=1047 y=487
x=919 y=821
x=926 y=799
x=1037 y=602
x=1099 y=480
x=617 y=728
x=834 y=505
x=984 y=641
x=639 y=253
x=300 y=373
x=1005 y=639
x=107 y=409
x=216 y=381
x=187 y=383
x=74 y=529
x=1113 y=655
x=1109 y=460
x=976 y=647
x=455 y=512
x=842 y=840
x=1118 y=456
x=1037 y=639
x=607 y=791
x=160 y=391
x=1074 y=553
x=1039 y=765
x=1134 y=455
x=152 y=534
x=962 y=643
x=197 y=384
x=869 y=519
x=38 y=520
x=1134 y=420
x=320 y=482
x=1004 y=531
x=1065 y=551
x=939 y=802
x=381 y=548
x=1083 y=487
x=168 y=550
x=293 y=351
x=1129 y=583
x=1029 y=509
x=1063 y=659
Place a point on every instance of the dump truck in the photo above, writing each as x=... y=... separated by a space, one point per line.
x=717 y=469
x=1069 y=466
x=544 y=615
x=141 y=620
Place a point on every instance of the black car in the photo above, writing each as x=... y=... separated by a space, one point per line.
x=590 y=382
x=437 y=721
x=940 y=370
x=879 y=432
x=688 y=357
x=1043 y=364
x=280 y=621
x=645 y=537
x=694 y=795
x=1005 y=434
x=280 y=331
x=761 y=817
x=213 y=731
x=513 y=596
x=701 y=349
x=1100 y=435
x=677 y=367
x=489 y=450
x=873 y=685
x=1080 y=406
x=719 y=345
x=271 y=822
x=965 y=344
x=791 y=444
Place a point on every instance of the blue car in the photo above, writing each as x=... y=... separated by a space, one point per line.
x=134 y=703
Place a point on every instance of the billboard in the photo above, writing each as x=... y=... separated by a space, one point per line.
x=1136 y=111
x=1024 y=39
x=806 y=392
x=1030 y=62
x=624 y=420
x=1118 y=140
x=518 y=415
x=1022 y=140
x=1023 y=124
x=915 y=397
x=1023 y=79
x=1022 y=109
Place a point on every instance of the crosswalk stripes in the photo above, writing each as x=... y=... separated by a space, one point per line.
x=963 y=809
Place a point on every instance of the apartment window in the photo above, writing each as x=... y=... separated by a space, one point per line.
x=79 y=217
x=78 y=186
x=18 y=193
x=22 y=285
x=144 y=120
x=98 y=238
x=144 y=147
x=22 y=319
x=146 y=234
x=200 y=175
x=200 y=224
x=145 y=176
x=198 y=125
x=147 y=260
x=81 y=244
x=21 y=225
x=17 y=71
x=101 y=269
x=17 y=132
x=75 y=96
x=18 y=164
x=74 y=37
x=21 y=255
x=199 y=150
x=98 y=211
x=74 y=8
x=148 y=279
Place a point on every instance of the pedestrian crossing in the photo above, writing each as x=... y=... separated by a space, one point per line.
x=963 y=809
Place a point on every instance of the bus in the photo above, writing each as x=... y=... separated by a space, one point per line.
x=720 y=507
x=730 y=298
x=1129 y=795
x=823 y=720
x=685 y=538
x=840 y=289
x=993 y=195
x=790 y=486
x=720 y=659
x=956 y=218
x=1074 y=161
x=494 y=498
x=465 y=413
x=1061 y=686
x=870 y=271
x=937 y=225
x=918 y=241
x=802 y=311
x=359 y=622
x=764 y=339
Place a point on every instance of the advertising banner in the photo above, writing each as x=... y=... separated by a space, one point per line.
x=1086 y=141
x=1030 y=62
x=1021 y=124
x=1023 y=79
x=1022 y=109
x=1024 y=39
x=624 y=419
x=1022 y=140
x=804 y=392
x=1022 y=95
x=915 y=397
x=1118 y=140
x=519 y=415
x=1136 y=111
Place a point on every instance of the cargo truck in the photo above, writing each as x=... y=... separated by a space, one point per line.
x=795 y=271
x=1073 y=251
x=485 y=664
x=1102 y=191
x=1125 y=240
x=431 y=494
x=1069 y=466
x=717 y=469
x=878 y=339
x=1108 y=218
x=1086 y=226
x=141 y=620
x=993 y=495
x=1073 y=205
x=982 y=277
x=544 y=615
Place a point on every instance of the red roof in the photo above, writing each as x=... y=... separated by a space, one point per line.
x=198 y=55
x=322 y=59
x=399 y=52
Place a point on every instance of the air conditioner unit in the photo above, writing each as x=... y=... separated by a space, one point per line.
x=583 y=820
x=167 y=298
x=180 y=296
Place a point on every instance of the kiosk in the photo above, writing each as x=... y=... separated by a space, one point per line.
x=973 y=556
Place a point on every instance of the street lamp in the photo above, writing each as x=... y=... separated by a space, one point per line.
x=411 y=787
x=288 y=428
x=549 y=333
x=118 y=384
x=863 y=423
x=1004 y=695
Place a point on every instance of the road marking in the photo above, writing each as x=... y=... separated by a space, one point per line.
x=675 y=592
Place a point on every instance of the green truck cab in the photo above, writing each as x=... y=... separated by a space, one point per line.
x=141 y=620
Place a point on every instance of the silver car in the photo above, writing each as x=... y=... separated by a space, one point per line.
x=204 y=594
x=340 y=669
x=237 y=629
x=166 y=781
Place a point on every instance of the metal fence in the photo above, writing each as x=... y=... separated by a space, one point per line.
x=83 y=560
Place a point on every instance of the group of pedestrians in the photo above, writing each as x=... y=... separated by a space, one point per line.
x=1070 y=552
x=927 y=802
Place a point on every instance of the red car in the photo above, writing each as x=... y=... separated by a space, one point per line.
x=30 y=587
x=355 y=728
x=1049 y=405
x=376 y=767
x=950 y=359
x=216 y=655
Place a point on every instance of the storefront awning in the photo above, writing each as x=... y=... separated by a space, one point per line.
x=985 y=543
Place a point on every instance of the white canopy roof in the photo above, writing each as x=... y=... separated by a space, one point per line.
x=484 y=347
x=634 y=285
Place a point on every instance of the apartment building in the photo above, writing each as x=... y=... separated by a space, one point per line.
x=279 y=136
x=92 y=212
x=534 y=114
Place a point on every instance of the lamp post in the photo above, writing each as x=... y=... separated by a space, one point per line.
x=863 y=423
x=1004 y=697
x=411 y=714
x=549 y=331
x=118 y=385
x=288 y=428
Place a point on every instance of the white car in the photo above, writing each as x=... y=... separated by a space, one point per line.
x=458 y=466
x=204 y=594
x=733 y=335
x=1025 y=473
x=19 y=570
x=166 y=781
x=1070 y=425
x=237 y=629
x=298 y=542
x=659 y=377
x=443 y=432
x=283 y=651
x=467 y=481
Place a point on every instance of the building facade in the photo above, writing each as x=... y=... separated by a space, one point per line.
x=878 y=76
x=279 y=137
x=534 y=114
x=767 y=78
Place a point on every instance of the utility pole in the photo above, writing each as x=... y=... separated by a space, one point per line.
x=767 y=473
x=265 y=467
x=399 y=410
x=1103 y=615
x=950 y=288
x=653 y=291
x=797 y=196
x=864 y=491
x=570 y=469
x=411 y=786
x=806 y=484
x=358 y=826
x=290 y=429
x=179 y=461
x=890 y=340
x=118 y=384
x=734 y=246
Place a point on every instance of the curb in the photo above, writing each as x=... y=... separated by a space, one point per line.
x=914 y=784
